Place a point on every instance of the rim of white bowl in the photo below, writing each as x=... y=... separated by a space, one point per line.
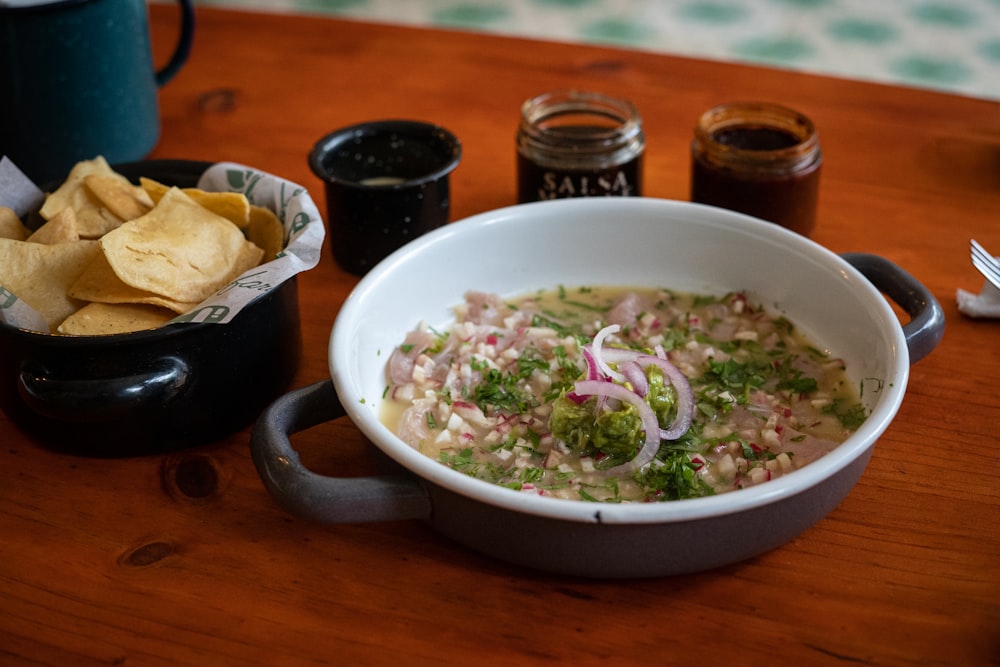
x=786 y=486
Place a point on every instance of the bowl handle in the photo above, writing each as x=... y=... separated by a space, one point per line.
x=926 y=326
x=102 y=399
x=319 y=497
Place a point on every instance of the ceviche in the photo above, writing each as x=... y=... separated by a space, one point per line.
x=618 y=395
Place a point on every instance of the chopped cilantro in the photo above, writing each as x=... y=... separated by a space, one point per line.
x=850 y=416
x=675 y=479
x=501 y=390
x=737 y=378
x=596 y=308
x=792 y=379
x=562 y=330
x=702 y=300
x=440 y=340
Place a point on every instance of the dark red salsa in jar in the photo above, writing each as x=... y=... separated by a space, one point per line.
x=578 y=144
x=760 y=159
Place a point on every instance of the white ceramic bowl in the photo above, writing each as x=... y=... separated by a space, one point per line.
x=606 y=241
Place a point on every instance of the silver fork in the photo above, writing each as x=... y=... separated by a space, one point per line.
x=987 y=264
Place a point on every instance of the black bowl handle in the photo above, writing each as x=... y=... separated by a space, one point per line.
x=926 y=326
x=318 y=497
x=102 y=399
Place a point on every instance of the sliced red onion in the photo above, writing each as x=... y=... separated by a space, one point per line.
x=650 y=426
x=598 y=351
x=636 y=377
x=685 y=397
x=593 y=372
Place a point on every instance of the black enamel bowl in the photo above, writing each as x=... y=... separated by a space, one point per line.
x=151 y=391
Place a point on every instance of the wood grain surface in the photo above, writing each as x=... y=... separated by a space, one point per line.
x=184 y=558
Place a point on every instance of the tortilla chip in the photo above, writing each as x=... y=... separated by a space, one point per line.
x=11 y=226
x=179 y=250
x=93 y=219
x=142 y=254
x=99 y=319
x=99 y=283
x=118 y=195
x=60 y=229
x=266 y=231
x=154 y=189
x=40 y=275
x=233 y=206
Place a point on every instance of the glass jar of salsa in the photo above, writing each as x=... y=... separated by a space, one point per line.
x=578 y=144
x=760 y=159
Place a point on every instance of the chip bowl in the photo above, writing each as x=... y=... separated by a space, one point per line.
x=837 y=301
x=157 y=390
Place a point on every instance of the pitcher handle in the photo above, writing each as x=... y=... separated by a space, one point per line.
x=183 y=48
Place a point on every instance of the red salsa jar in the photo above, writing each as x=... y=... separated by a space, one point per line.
x=578 y=144
x=760 y=159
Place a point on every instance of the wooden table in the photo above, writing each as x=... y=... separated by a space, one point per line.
x=141 y=562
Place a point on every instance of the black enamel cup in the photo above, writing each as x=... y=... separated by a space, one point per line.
x=151 y=391
x=386 y=183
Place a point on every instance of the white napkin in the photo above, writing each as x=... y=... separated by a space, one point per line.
x=984 y=304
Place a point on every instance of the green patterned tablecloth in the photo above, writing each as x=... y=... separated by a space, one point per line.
x=949 y=45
